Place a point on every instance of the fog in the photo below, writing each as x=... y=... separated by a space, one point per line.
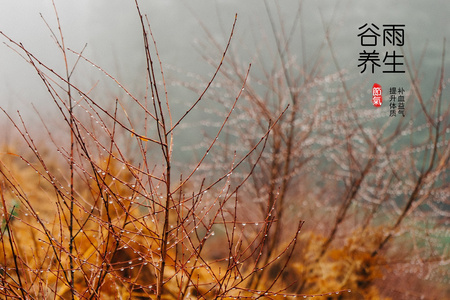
x=112 y=32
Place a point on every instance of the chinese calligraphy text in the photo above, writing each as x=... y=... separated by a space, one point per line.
x=393 y=35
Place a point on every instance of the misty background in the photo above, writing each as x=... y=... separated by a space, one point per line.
x=112 y=32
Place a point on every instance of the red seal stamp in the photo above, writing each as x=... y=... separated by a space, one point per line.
x=377 y=98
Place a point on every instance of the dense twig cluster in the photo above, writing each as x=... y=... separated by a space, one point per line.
x=105 y=217
x=111 y=213
x=367 y=184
